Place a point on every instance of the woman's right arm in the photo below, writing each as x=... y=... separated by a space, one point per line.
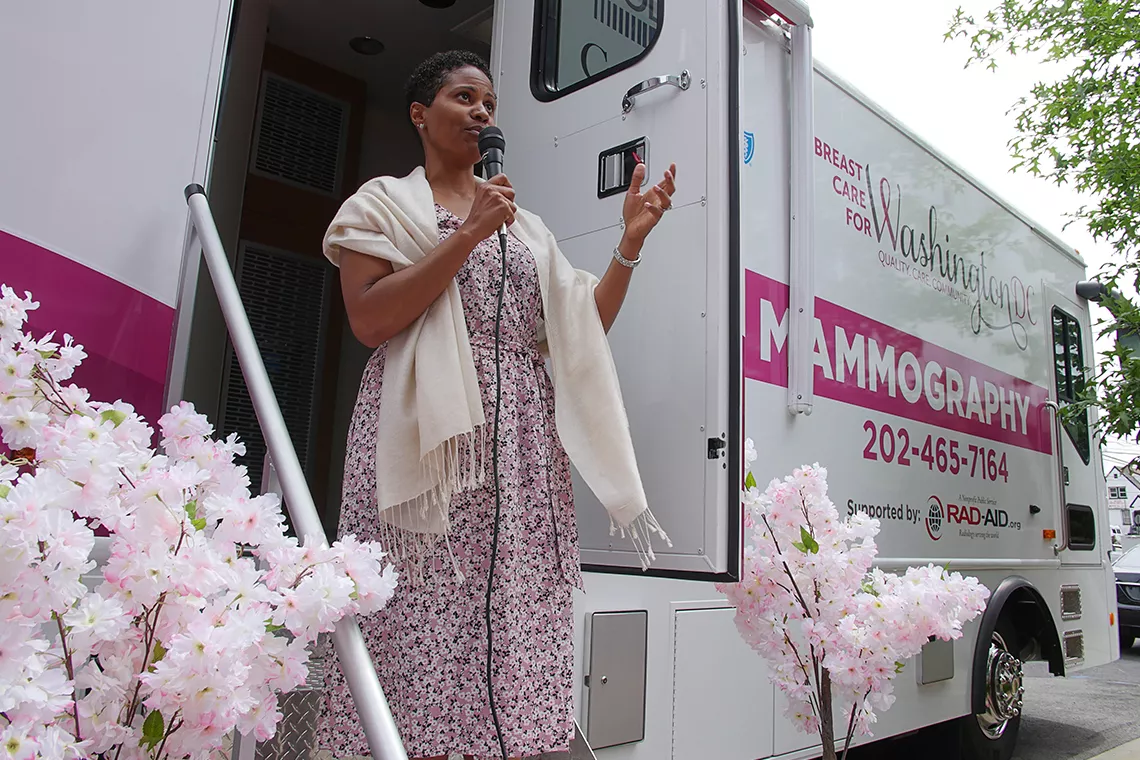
x=382 y=302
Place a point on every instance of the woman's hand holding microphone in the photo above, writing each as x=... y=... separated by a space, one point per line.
x=492 y=207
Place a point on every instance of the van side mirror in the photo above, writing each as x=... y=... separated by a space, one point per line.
x=1091 y=290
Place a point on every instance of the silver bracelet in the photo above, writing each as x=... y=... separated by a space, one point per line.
x=624 y=261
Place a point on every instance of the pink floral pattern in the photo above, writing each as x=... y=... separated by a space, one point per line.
x=429 y=643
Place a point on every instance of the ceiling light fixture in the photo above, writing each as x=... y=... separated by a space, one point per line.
x=366 y=45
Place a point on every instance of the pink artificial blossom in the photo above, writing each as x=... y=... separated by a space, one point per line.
x=833 y=630
x=181 y=619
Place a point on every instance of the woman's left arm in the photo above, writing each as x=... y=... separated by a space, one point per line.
x=642 y=212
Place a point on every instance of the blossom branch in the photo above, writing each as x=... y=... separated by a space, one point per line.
x=787 y=570
x=851 y=725
x=70 y=667
x=45 y=377
x=850 y=730
x=799 y=660
x=174 y=726
x=151 y=631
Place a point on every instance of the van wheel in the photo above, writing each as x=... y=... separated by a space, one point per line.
x=1127 y=640
x=992 y=734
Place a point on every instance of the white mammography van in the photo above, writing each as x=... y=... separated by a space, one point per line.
x=827 y=285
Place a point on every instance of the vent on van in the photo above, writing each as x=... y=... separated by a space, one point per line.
x=1074 y=645
x=286 y=297
x=300 y=136
x=1070 y=602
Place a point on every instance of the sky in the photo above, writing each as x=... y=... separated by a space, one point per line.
x=895 y=53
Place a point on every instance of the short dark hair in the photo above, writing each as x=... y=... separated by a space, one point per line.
x=425 y=82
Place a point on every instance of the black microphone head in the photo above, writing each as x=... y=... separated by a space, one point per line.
x=491 y=138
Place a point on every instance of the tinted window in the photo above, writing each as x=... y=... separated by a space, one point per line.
x=1069 y=372
x=577 y=42
x=1082 y=527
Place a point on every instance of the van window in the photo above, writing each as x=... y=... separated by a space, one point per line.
x=1069 y=369
x=1082 y=527
x=578 y=42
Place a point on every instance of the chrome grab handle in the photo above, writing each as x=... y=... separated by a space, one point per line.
x=1059 y=432
x=681 y=82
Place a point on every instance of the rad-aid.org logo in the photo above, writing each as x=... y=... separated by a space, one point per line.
x=935 y=515
x=938 y=515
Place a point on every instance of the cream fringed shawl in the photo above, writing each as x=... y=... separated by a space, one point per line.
x=432 y=438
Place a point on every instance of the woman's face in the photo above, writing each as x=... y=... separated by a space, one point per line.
x=464 y=105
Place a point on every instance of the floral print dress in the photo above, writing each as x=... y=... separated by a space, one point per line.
x=429 y=644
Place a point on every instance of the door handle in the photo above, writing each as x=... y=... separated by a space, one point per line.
x=681 y=82
x=1058 y=431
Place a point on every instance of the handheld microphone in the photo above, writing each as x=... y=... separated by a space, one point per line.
x=492 y=146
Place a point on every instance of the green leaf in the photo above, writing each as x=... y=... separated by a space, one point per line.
x=199 y=523
x=153 y=729
x=899 y=667
x=800 y=546
x=113 y=416
x=4 y=490
x=273 y=628
x=192 y=509
x=46 y=354
x=810 y=544
x=750 y=481
x=159 y=651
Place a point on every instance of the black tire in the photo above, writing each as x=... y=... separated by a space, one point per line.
x=1127 y=640
x=996 y=741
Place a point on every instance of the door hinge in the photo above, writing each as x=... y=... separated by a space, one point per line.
x=716 y=446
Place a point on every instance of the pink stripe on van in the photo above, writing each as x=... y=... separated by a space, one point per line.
x=125 y=333
x=891 y=371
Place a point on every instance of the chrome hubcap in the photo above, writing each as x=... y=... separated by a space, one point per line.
x=1004 y=689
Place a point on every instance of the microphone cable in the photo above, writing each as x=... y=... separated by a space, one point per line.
x=491 y=146
x=495 y=475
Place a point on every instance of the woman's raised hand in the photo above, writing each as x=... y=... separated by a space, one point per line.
x=642 y=211
x=493 y=205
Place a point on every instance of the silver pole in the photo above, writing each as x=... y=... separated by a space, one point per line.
x=371 y=706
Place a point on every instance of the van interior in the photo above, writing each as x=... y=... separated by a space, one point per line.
x=311 y=106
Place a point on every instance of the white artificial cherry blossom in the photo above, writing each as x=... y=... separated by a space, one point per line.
x=177 y=640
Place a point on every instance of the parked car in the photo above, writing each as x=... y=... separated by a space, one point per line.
x=1127 y=570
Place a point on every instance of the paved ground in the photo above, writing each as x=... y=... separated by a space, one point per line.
x=1074 y=718
x=1080 y=716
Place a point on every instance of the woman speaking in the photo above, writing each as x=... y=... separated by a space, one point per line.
x=475 y=650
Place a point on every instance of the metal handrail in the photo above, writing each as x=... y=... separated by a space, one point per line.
x=371 y=706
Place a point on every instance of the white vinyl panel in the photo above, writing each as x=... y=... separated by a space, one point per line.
x=108 y=109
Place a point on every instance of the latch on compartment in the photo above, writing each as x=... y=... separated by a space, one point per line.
x=616 y=165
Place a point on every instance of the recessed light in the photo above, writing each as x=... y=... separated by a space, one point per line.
x=366 y=45
x=438 y=3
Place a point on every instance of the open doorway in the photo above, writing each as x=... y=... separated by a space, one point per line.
x=312 y=106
